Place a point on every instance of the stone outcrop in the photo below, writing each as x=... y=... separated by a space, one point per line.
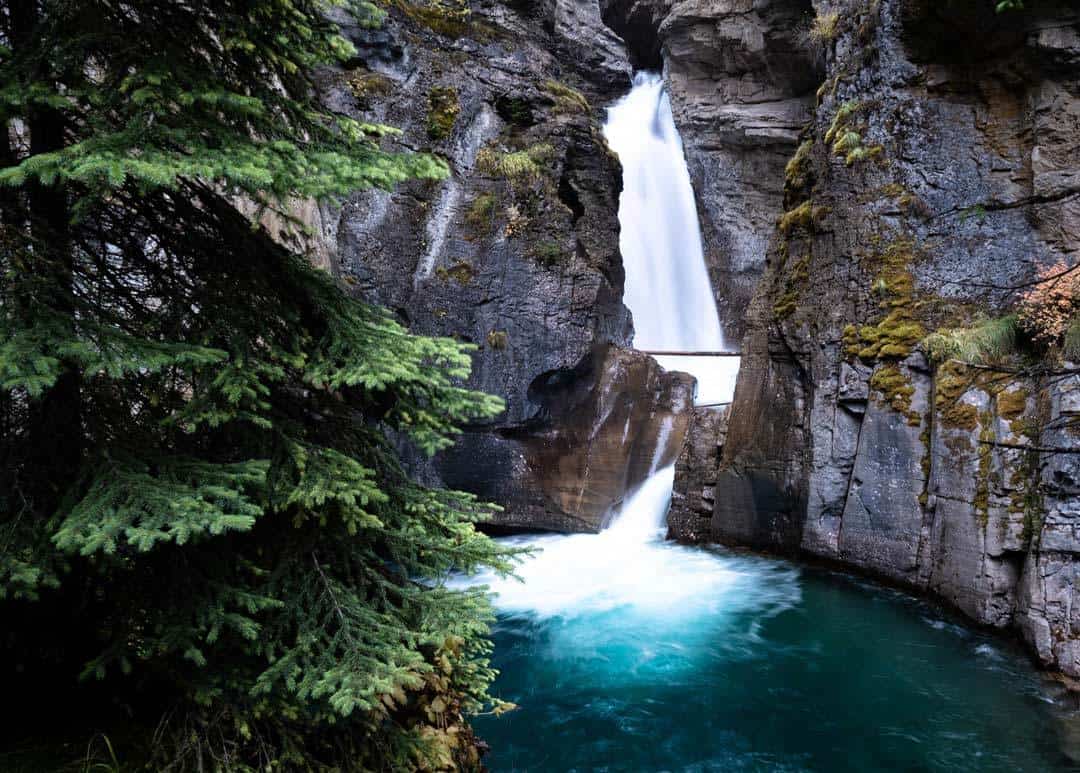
x=603 y=427
x=696 y=470
x=516 y=252
x=741 y=76
x=937 y=175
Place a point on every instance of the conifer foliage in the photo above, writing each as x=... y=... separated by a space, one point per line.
x=199 y=506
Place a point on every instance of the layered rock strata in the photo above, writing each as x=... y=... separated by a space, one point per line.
x=937 y=176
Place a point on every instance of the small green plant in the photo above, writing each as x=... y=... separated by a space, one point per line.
x=862 y=153
x=805 y=216
x=520 y=166
x=844 y=138
x=567 y=99
x=548 y=253
x=990 y=341
x=841 y=120
x=825 y=28
x=798 y=167
x=443 y=109
x=846 y=142
x=978 y=211
x=481 y=214
x=1009 y=5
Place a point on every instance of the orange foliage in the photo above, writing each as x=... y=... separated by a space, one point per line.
x=1047 y=307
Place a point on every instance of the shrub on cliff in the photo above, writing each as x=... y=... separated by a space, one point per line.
x=1048 y=306
x=200 y=513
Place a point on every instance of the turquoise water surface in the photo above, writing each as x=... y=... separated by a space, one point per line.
x=683 y=659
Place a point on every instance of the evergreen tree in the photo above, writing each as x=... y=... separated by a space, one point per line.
x=199 y=506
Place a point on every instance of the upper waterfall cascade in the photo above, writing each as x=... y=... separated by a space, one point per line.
x=667 y=287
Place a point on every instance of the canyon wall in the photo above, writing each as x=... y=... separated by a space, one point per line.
x=516 y=252
x=937 y=175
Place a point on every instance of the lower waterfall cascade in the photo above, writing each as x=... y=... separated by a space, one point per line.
x=625 y=652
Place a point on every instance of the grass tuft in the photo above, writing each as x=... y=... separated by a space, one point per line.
x=825 y=28
x=988 y=342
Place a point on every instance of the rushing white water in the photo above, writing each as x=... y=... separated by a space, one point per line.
x=628 y=574
x=667 y=288
x=628 y=568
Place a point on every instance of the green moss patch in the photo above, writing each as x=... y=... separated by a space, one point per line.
x=896 y=391
x=846 y=139
x=448 y=18
x=366 y=86
x=795 y=280
x=1011 y=404
x=803 y=217
x=518 y=166
x=566 y=98
x=798 y=169
x=548 y=253
x=461 y=272
x=443 y=110
x=895 y=335
x=480 y=216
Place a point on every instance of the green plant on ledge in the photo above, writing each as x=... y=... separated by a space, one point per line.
x=567 y=99
x=443 y=109
x=989 y=341
x=519 y=166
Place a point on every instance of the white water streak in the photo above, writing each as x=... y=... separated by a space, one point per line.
x=667 y=287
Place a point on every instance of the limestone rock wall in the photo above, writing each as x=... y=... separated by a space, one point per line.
x=516 y=252
x=937 y=175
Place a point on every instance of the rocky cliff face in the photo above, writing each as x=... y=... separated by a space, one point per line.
x=517 y=251
x=741 y=76
x=936 y=176
x=693 y=496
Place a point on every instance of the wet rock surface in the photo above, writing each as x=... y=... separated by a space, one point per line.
x=516 y=252
x=694 y=492
x=936 y=177
x=603 y=428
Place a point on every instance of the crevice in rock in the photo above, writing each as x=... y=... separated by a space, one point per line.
x=568 y=195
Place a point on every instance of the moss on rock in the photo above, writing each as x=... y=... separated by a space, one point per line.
x=896 y=391
x=805 y=216
x=480 y=216
x=798 y=168
x=461 y=272
x=443 y=110
x=566 y=98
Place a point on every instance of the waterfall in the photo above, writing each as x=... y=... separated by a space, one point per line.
x=629 y=566
x=667 y=287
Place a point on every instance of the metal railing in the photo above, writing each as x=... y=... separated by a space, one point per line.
x=722 y=353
